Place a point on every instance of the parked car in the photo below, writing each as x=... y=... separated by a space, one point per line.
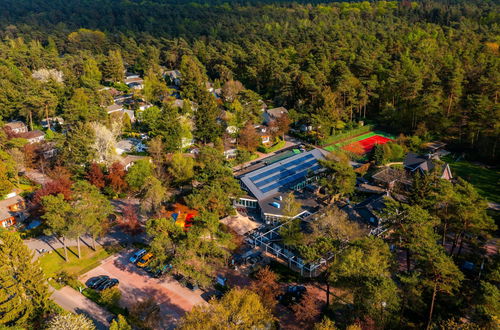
x=162 y=270
x=108 y=284
x=190 y=285
x=293 y=294
x=137 y=255
x=145 y=260
x=96 y=281
x=216 y=294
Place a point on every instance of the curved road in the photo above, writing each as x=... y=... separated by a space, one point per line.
x=73 y=301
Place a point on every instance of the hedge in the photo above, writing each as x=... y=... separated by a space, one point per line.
x=273 y=148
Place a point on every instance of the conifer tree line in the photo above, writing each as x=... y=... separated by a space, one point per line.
x=426 y=66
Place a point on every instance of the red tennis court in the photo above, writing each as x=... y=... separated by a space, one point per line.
x=366 y=145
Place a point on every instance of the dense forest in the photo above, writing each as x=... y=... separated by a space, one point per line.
x=422 y=67
x=145 y=99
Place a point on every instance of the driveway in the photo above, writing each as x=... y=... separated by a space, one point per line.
x=135 y=285
x=73 y=301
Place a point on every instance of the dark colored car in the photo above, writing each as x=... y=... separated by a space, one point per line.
x=96 y=281
x=293 y=294
x=191 y=286
x=108 y=284
x=160 y=271
x=207 y=296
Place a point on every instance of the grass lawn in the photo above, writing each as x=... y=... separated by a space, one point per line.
x=483 y=179
x=53 y=263
x=278 y=145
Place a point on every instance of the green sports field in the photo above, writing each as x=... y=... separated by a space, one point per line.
x=358 y=138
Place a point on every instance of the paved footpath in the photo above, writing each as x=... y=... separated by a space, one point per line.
x=73 y=301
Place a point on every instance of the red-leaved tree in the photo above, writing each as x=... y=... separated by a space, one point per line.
x=116 y=177
x=129 y=221
x=60 y=183
x=308 y=309
x=266 y=286
x=96 y=176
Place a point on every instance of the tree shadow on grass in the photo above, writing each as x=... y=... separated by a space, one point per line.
x=53 y=248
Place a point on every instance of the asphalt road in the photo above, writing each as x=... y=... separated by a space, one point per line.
x=75 y=302
x=135 y=285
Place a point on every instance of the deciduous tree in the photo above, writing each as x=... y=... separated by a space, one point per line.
x=116 y=177
x=129 y=220
x=57 y=212
x=266 y=285
x=308 y=309
x=249 y=139
x=238 y=309
x=70 y=321
x=120 y=323
x=96 y=176
x=138 y=174
x=154 y=195
x=181 y=168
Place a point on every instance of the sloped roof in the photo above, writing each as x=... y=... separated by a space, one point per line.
x=389 y=175
x=413 y=161
x=15 y=124
x=31 y=134
x=114 y=107
x=5 y=213
x=277 y=112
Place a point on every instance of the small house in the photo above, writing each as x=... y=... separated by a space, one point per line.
x=134 y=81
x=425 y=164
x=52 y=121
x=265 y=136
x=274 y=114
x=32 y=136
x=174 y=76
x=389 y=177
x=129 y=160
x=114 y=108
x=12 y=210
x=130 y=145
x=16 y=127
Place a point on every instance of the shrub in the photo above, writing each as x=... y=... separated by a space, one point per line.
x=110 y=297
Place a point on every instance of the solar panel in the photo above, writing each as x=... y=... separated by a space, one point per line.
x=290 y=179
x=279 y=168
x=285 y=173
x=285 y=169
x=266 y=181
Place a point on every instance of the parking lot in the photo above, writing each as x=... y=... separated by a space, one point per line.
x=174 y=299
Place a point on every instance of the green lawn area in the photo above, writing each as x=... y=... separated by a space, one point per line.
x=278 y=145
x=53 y=263
x=485 y=180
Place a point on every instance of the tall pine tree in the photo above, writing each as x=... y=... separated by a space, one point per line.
x=24 y=293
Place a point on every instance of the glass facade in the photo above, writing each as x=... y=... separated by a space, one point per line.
x=247 y=203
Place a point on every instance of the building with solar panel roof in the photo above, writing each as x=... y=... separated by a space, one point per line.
x=268 y=185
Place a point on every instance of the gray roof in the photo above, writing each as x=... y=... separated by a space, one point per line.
x=413 y=161
x=277 y=112
x=15 y=124
x=279 y=176
x=308 y=202
x=114 y=107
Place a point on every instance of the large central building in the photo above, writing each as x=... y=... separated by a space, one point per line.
x=268 y=185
